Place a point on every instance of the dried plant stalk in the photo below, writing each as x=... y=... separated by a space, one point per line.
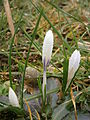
x=29 y=110
x=9 y=19
x=74 y=104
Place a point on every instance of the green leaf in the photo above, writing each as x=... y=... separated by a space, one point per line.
x=33 y=37
x=65 y=74
x=40 y=85
x=60 y=112
x=10 y=50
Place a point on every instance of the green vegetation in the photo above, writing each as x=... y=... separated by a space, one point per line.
x=70 y=24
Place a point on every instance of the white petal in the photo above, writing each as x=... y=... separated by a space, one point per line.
x=74 y=62
x=47 y=47
x=13 y=98
x=89 y=76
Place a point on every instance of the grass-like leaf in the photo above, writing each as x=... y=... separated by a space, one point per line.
x=65 y=74
x=66 y=13
x=40 y=85
x=10 y=51
x=33 y=37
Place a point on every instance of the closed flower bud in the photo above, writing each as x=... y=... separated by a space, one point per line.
x=74 y=62
x=13 y=98
x=47 y=48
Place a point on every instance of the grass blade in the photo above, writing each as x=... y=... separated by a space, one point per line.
x=10 y=51
x=65 y=74
x=61 y=10
x=33 y=36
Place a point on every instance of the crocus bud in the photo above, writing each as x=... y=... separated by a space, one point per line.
x=13 y=98
x=47 y=48
x=74 y=62
x=46 y=56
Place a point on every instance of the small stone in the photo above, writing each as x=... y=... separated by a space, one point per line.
x=31 y=74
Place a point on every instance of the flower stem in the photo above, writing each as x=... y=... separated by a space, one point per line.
x=44 y=86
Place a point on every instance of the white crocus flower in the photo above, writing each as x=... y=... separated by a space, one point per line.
x=46 y=54
x=13 y=98
x=74 y=62
x=47 y=48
